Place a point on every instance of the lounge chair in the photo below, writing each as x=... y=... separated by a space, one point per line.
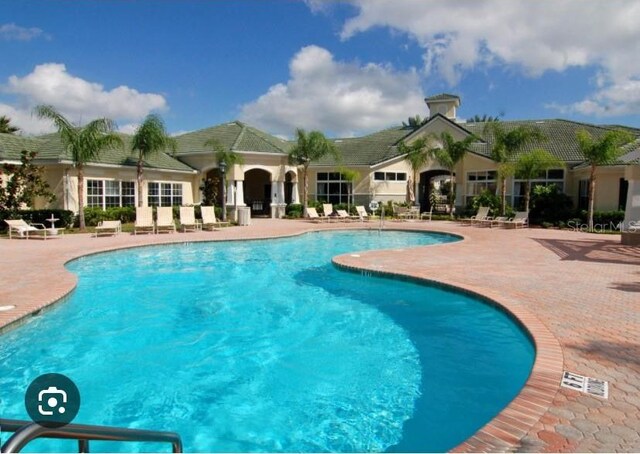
x=362 y=213
x=497 y=221
x=23 y=229
x=164 y=221
x=482 y=214
x=327 y=209
x=313 y=215
x=344 y=216
x=521 y=219
x=427 y=215
x=188 y=220
x=144 y=221
x=209 y=220
x=109 y=228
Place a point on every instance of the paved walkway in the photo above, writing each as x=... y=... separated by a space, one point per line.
x=578 y=293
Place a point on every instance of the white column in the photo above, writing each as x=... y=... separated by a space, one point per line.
x=281 y=194
x=240 y=193
x=274 y=192
x=295 y=193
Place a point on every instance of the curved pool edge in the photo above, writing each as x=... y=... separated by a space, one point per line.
x=66 y=281
x=506 y=430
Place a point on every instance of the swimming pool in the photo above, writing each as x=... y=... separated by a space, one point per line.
x=266 y=346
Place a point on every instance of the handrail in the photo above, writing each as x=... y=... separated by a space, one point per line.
x=26 y=431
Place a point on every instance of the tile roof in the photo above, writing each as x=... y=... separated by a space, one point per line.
x=369 y=150
x=560 y=137
x=50 y=148
x=11 y=146
x=235 y=136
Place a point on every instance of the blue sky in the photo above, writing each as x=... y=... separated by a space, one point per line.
x=345 y=68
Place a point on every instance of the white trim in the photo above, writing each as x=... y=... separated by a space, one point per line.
x=117 y=166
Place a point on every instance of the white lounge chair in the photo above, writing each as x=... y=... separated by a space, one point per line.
x=521 y=219
x=188 y=220
x=327 y=209
x=362 y=213
x=108 y=228
x=164 y=221
x=144 y=221
x=427 y=215
x=313 y=215
x=346 y=217
x=23 y=229
x=482 y=214
x=209 y=220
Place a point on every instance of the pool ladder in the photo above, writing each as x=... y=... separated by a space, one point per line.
x=26 y=431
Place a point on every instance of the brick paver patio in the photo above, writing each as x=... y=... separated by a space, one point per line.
x=578 y=293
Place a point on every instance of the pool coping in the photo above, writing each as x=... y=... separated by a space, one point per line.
x=505 y=431
x=502 y=433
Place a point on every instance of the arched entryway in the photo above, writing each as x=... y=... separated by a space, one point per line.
x=257 y=191
x=434 y=182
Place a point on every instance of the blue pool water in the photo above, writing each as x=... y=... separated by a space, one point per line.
x=266 y=346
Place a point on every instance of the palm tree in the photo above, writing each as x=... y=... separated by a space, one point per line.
x=351 y=176
x=229 y=158
x=83 y=143
x=150 y=138
x=6 y=127
x=451 y=153
x=309 y=147
x=414 y=122
x=484 y=118
x=417 y=155
x=600 y=152
x=529 y=165
x=505 y=146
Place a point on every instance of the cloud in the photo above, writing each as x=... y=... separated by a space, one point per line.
x=530 y=36
x=342 y=98
x=13 y=32
x=617 y=100
x=22 y=118
x=76 y=98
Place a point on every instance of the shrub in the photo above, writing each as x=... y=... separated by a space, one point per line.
x=65 y=217
x=486 y=199
x=94 y=215
x=604 y=219
x=549 y=204
x=294 y=210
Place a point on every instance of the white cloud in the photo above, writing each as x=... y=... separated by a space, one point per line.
x=28 y=123
x=129 y=128
x=533 y=36
x=343 y=98
x=13 y=32
x=76 y=98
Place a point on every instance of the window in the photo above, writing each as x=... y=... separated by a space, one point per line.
x=477 y=182
x=583 y=194
x=390 y=176
x=332 y=187
x=546 y=178
x=110 y=193
x=164 y=194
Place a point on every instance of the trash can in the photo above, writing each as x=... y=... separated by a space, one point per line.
x=244 y=215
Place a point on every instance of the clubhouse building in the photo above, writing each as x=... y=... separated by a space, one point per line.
x=267 y=183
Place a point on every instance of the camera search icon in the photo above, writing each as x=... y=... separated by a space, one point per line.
x=52 y=400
